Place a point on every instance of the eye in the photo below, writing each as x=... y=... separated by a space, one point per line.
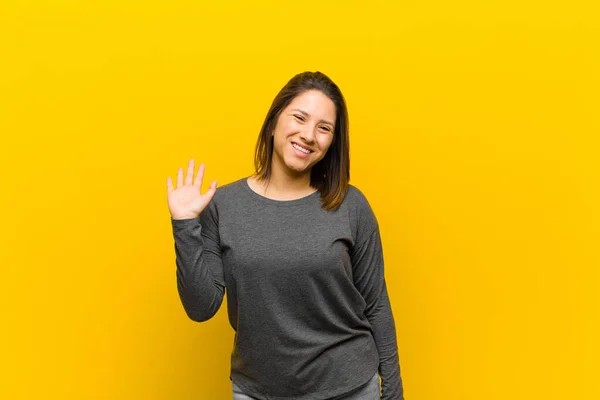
x=326 y=128
x=299 y=117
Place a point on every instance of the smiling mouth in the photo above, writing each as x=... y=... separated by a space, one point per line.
x=300 y=148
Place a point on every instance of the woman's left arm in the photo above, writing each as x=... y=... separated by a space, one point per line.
x=368 y=275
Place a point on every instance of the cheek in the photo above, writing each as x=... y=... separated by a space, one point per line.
x=326 y=143
x=280 y=135
x=282 y=132
x=287 y=126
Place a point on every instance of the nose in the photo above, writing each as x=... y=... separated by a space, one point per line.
x=308 y=134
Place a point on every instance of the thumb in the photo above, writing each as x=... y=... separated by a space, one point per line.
x=205 y=198
x=210 y=192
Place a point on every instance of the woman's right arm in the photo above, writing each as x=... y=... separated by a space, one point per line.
x=200 y=281
x=194 y=219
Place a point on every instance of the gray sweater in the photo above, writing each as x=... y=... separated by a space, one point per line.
x=306 y=293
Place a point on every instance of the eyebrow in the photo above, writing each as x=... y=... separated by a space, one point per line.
x=307 y=115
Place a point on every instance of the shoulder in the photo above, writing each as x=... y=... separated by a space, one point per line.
x=225 y=196
x=362 y=217
x=228 y=191
x=357 y=201
x=356 y=198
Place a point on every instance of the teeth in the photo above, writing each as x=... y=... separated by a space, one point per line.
x=301 y=149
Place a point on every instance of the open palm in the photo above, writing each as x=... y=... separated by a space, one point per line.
x=186 y=201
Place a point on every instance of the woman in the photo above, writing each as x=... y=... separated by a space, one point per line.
x=298 y=250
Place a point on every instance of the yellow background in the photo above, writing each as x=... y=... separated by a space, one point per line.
x=474 y=134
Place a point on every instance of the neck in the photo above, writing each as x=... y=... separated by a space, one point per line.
x=289 y=182
x=284 y=183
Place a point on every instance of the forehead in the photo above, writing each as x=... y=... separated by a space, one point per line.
x=315 y=103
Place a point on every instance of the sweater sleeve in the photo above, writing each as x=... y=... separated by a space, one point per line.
x=367 y=264
x=200 y=280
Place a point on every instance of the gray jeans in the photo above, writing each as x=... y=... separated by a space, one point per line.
x=368 y=391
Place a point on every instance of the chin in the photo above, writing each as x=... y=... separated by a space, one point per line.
x=298 y=168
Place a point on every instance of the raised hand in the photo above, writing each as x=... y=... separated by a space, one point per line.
x=186 y=201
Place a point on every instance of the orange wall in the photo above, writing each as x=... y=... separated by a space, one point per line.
x=474 y=134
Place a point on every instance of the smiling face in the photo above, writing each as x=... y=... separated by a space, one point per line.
x=304 y=132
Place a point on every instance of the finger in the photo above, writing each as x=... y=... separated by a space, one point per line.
x=169 y=185
x=210 y=192
x=200 y=175
x=179 y=178
x=190 y=172
x=212 y=188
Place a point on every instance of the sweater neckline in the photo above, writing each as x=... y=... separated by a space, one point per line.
x=284 y=203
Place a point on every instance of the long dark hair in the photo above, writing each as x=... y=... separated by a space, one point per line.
x=331 y=175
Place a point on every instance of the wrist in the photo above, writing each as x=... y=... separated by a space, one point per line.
x=183 y=217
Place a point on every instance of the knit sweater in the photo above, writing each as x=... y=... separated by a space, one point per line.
x=306 y=292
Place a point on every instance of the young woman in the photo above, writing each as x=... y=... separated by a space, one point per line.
x=298 y=250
